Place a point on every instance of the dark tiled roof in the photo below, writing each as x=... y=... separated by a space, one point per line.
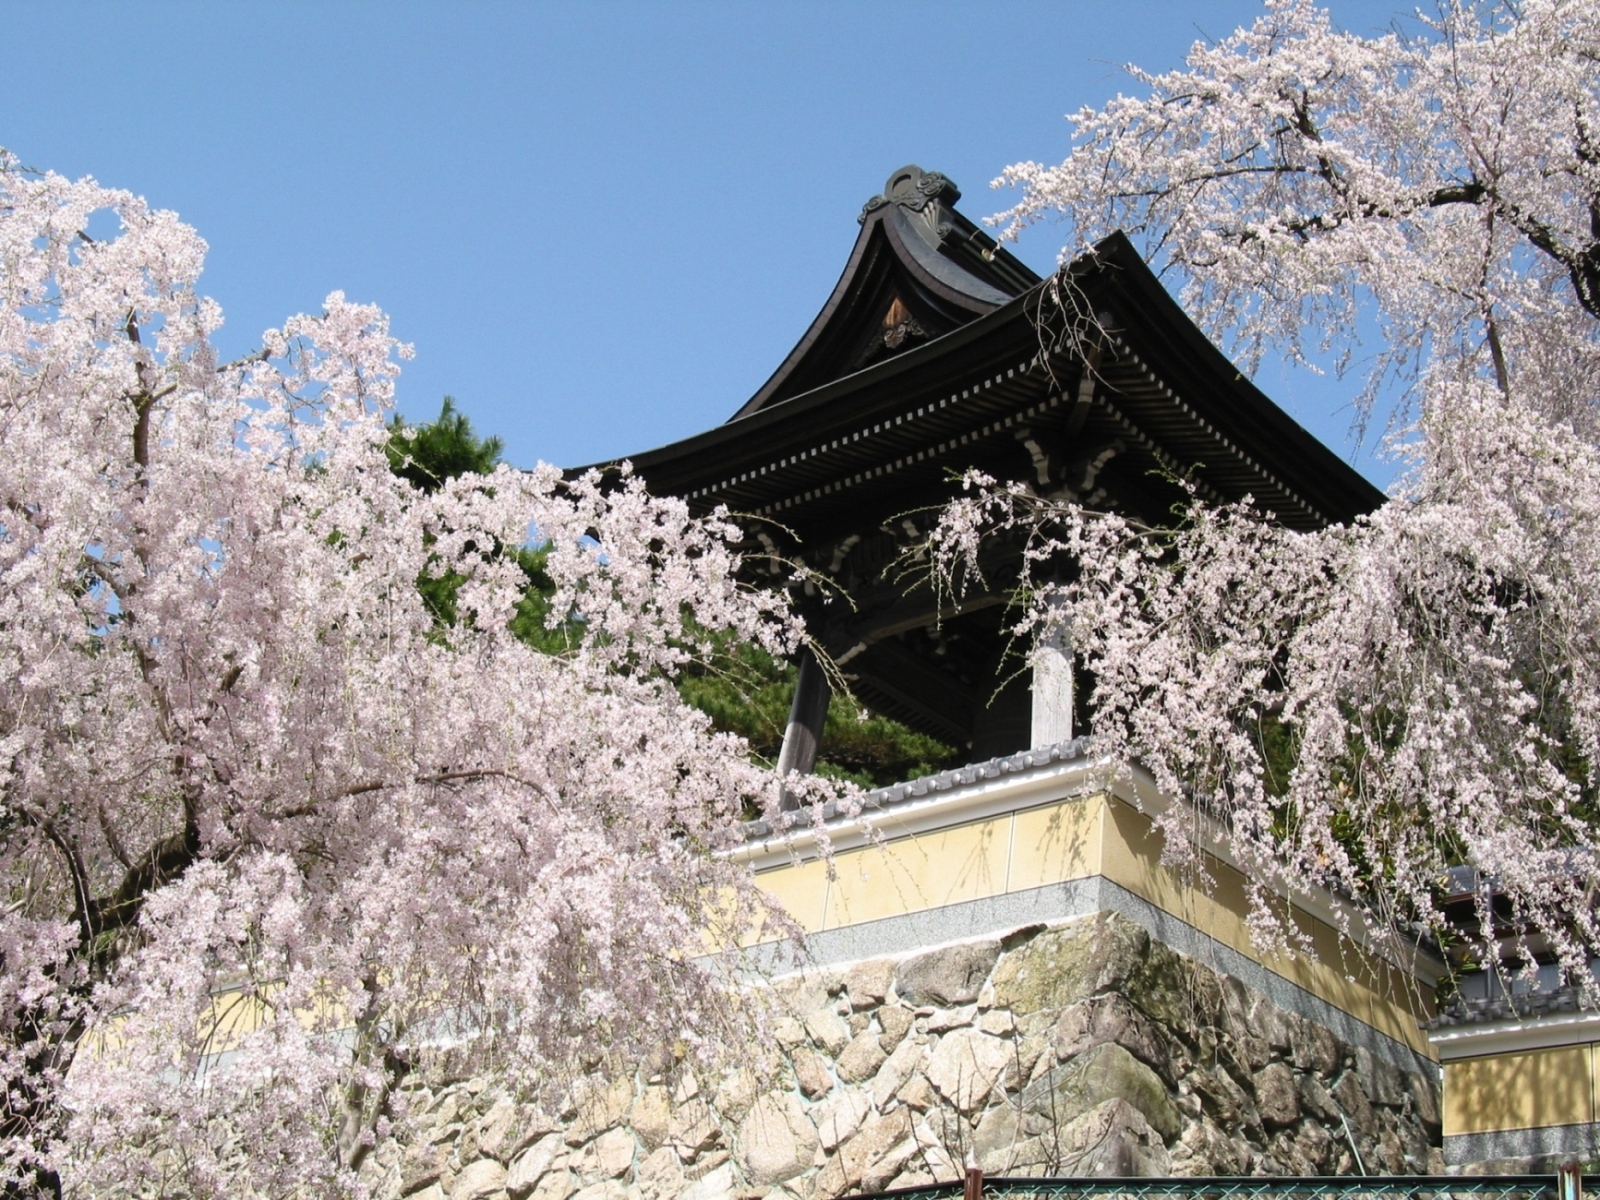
x=885 y=799
x=1509 y=1008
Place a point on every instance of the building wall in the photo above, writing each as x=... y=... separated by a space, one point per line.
x=1524 y=1106
x=1086 y=1047
x=1001 y=968
x=972 y=876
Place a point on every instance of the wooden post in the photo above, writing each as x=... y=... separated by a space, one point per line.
x=807 y=714
x=974 y=1184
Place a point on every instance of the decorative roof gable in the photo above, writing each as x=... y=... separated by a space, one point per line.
x=919 y=269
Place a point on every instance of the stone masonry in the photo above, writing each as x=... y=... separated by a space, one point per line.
x=1084 y=1049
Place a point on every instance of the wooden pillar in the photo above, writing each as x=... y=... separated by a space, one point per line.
x=1052 y=690
x=974 y=1188
x=803 y=734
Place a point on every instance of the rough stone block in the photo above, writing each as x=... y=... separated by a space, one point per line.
x=1312 y=1047
x=1277 y=1100
x=531 y=1165
x=1424 y=1093
x=481 y=1180
x=994 y=1143
x=811 y=1073
x=660 y=1176
x=1175 y=990
x=917 y=1094
x=861 y=1059
x=1026 y=1056
x=1111 y=1018
x=691 y=1128
x=1103 y=1073
x=948 y=977
x=1353 y=1099
x=1062 y=966
x=789 y=1032
x=1225 y=1100
x=1315 y=1149
x=828 y=1030
x=892 y=1076
x=839 y=1116
x=800 y=994
x=1206 y=1150
x=1316 y=1100
x=941 y=1019
x=776 y=1141
x=867 y=983
x=876 y=1174
x=421 y=1166
x=495 y=1128
x=651 y=1116
x=613 y=1152
x=895 y=1021
x=735 y=1094
x=873 y=1142
x=556 y=1185
x=714 y=1185
x=966 y=1065
x=1268 y=1021
x=997 y=1021
x=1114 y=1140
x=1380 y=1079
x=599 y=1106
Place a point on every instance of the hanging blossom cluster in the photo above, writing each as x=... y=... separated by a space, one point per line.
x=1360 y=708
x=1363 y=707
x=1300 y=183
x=269 y=835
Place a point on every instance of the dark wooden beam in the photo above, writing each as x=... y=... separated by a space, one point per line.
x=944 y=706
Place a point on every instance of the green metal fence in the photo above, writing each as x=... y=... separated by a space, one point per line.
x=1338 y=1187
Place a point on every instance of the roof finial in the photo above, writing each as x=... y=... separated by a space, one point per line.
x=912 y=188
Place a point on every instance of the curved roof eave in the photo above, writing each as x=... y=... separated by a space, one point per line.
x=1215 y=392
x=795 y=409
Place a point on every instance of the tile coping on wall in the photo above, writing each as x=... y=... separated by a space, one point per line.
x=1535 y=1031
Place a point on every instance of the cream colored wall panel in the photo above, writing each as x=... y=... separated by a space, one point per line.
x=1340 y=973
x=1519 y=1091
x=910 y=874
x=1056 y=843
x=802 y=889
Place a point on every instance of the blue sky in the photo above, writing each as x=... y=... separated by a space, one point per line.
x=601 y=225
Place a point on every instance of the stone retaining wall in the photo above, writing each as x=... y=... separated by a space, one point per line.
x=1084 y=1049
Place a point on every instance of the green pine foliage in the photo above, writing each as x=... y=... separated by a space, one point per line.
x=748 y=692
x=743 y=691
x=442 y=449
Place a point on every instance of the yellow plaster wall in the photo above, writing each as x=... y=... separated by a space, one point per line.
x=1362 y=985
x=1076 y=839
x=909 y=873
x=1530 y=1090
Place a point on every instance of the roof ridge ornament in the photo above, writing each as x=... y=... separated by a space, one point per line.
x=913 y=189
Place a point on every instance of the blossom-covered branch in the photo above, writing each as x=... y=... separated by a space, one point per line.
x=1300 y=182
x=252 y=795
x=1362 y=707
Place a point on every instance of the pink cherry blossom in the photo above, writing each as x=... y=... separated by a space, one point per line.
x=1363 y=707
x=268 y=835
